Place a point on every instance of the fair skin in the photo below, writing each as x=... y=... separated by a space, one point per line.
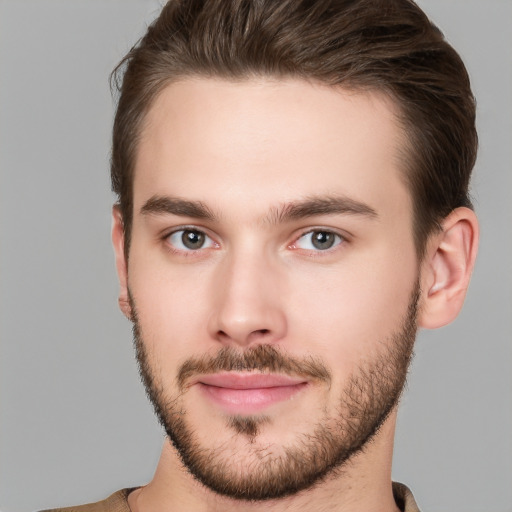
x=247 y=152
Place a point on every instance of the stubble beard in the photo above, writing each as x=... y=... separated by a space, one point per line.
x=275 y=472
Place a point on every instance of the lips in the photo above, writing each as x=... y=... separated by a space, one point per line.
x=248 y=393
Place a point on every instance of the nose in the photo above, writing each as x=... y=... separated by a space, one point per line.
x=248 y=302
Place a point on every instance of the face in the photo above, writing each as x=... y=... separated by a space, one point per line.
x=272 y=277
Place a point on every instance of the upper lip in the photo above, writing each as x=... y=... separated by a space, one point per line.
x=245 y=380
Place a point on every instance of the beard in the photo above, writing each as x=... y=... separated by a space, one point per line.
x=264 y=472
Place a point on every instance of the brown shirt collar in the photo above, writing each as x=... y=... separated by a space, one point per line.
x=118 y=502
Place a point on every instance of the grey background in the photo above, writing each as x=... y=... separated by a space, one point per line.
x=75 y=425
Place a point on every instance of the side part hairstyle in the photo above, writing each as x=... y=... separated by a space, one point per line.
x=378 y=45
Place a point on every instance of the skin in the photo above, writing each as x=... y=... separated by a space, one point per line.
x=247 y=150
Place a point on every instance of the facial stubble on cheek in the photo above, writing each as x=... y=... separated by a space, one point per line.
x=274 y=472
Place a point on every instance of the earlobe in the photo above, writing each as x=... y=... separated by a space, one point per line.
x=447 y=268
x=121 y=263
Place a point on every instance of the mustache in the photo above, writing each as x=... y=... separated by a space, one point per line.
x=265 y=358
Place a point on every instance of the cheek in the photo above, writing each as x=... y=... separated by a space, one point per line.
x=352 y=310
x=171 y=308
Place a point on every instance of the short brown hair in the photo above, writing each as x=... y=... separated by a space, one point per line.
x=385 y=45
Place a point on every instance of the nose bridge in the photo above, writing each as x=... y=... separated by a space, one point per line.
x=247 y=306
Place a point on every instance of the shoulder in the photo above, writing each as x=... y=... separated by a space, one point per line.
x=117 y=502
x=404 y=498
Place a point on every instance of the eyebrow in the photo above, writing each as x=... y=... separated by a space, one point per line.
x=313 y=206
x=177 y=206
x=309 y=207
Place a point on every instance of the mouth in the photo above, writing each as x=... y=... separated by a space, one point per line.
x=248 y=393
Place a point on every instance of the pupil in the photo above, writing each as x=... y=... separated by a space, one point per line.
x=323 y=240
x=192 y=239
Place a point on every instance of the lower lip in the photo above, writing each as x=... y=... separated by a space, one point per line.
x=249 y=401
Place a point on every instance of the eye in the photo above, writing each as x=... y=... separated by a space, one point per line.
x=318 y=240
x=190 y=240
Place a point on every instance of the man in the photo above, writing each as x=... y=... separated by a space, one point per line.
x=293 y=204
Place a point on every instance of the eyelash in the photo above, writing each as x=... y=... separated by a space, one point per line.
x=187 y=252
x=339 y=240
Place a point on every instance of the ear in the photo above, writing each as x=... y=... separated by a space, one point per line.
x=447 y=267
x=121 y=263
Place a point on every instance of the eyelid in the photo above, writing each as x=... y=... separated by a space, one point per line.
x=343 y=238
x=168 y=233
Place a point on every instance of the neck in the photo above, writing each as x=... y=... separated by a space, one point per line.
x=362 y=484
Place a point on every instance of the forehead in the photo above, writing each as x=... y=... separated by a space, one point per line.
x=267 y=142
